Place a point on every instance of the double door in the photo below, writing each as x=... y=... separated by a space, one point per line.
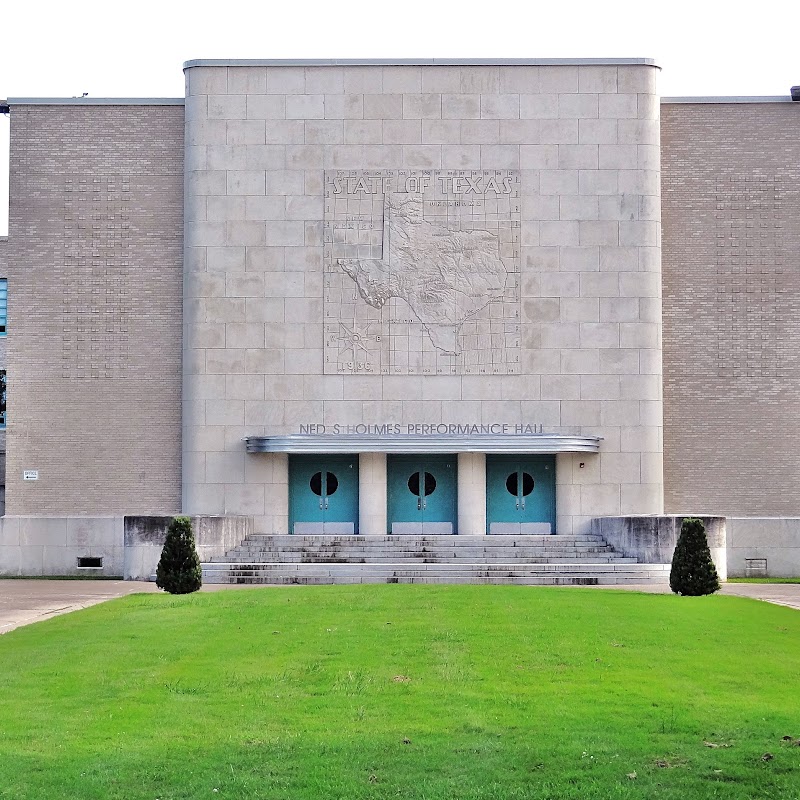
x=521 y=494
x=323 y=494
x=422 y=494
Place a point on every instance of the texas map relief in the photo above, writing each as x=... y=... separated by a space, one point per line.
x=424 y=279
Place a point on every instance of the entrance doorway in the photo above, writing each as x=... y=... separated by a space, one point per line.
x=422 y=494
x=521 y=494
x=323 y=494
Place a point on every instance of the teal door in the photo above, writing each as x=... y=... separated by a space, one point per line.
x=422 y=494
x=323 y=494
x=521 y=494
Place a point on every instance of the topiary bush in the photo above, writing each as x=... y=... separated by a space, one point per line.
x=178 y=570
x=693 y=572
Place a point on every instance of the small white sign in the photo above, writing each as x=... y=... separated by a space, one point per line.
x=30 y=475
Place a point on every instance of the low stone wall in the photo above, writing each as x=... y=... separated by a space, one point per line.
x=652 y=539
x=127 y=546
x=754 y=540
x=39 y=546
x=144 y=539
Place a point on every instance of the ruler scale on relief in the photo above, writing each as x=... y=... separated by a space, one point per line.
x=422 y=272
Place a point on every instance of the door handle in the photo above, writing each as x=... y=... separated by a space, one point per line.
x=419 y=504
x=517 y=505
x=320 y=502
x=326 y=503
x=523 y=505
x=424 y=504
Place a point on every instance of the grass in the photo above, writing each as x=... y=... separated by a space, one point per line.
x=472 y=692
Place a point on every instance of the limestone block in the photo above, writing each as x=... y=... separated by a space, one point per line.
x=485 y=79
x=639 y=233
x=360 y=387
x=558 y=79
x=461 y=156
x=227 y=106
x=600 y=334
x=638 y=181
x=266 y=362
x=220 y=362
x=305 y=106
x=266 y=106
x=559 y=131
x=205 y=234
x=544 y=309
x=423 y=106
x=619 y=362
x=599 y=284
x=649 y=106
x=415 y=411
x=286 y=80
x=207 y=131
x=247 y=80
x=636 y=79
x=499 y=106
x=361 y=131
x=578 y=207
x=559 y=181
x=651 y=412
x=205 y=387
x=522 y=79
x=542 y=412
x=477 y=131
x=243 y=233
x=597 y=131
x=402 y=131
x=383 y=106
x=194 y=410
x=423 y=156
x=580 y=412
x=539 y=156
x=641 y=387
x=442 y=387
x=577 y=106
x=36 y=531
x=600 y=500
x=580 y=361
x=600 y=387
x=560 y=387
x=203 y=498
x=618 y=106
x=381 y=410
x=245 y=498
x=242 y=335
x=619 y=412
x=638 y=131
x=618 y=156
x=441 y=79
x=304 y=362
x=402 y=79
x=193 y=467
x=261 y=413
x=577 y=156
x=206 y=80
x=286 y=131
x=229 y=257
x=247 y=131
x=641 y=498
x=639 y=334
x=325 y=80
x=538 y=106
x=245 y=182
x=325 y=132
x=285 y=233
x=652 y=467
x=621 y=468
x=31 y=559
x=640 y=439
x=580 y=309
x=502 y=156
x=560 y=232
x=640 y=284
x=520 y=131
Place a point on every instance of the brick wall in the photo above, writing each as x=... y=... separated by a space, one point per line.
x=95 y=265
x=731 y=239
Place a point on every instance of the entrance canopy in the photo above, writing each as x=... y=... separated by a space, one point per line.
x=415 y=443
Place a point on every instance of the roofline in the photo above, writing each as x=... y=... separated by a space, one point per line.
x=779 y=98
x=417 y=62
x=96 y=101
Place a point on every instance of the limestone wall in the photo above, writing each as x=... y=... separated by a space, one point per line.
x=265 y=147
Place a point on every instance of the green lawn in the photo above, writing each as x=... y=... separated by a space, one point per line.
x=404 y=692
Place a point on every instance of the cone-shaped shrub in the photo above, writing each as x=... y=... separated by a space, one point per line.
x=178 y=570
x=693 y=572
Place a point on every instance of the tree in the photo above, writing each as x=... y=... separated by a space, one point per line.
x=178 y=570
x=693 y=572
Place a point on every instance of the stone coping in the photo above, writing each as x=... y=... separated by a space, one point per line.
x=777 y=98
x=418 y=62
x=96 y=101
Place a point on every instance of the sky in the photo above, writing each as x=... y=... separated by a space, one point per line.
x=63 y=49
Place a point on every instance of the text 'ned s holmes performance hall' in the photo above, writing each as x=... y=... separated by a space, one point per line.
x=423 y=320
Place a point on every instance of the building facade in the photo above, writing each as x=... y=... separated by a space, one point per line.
x=404 y=297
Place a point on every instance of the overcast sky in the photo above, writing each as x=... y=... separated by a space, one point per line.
x=63 y=49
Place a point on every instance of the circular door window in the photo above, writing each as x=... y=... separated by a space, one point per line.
x=331 y=483
x=428 y=484
x=512 y=484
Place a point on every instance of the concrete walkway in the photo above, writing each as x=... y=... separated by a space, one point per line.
x=25 y=601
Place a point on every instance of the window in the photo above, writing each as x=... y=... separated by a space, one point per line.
x=3 y=305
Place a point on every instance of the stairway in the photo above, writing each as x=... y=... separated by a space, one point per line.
x=533 y=560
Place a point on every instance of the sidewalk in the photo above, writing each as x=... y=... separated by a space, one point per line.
x=24 y=601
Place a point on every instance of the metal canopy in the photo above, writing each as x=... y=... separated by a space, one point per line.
x=411 y=443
